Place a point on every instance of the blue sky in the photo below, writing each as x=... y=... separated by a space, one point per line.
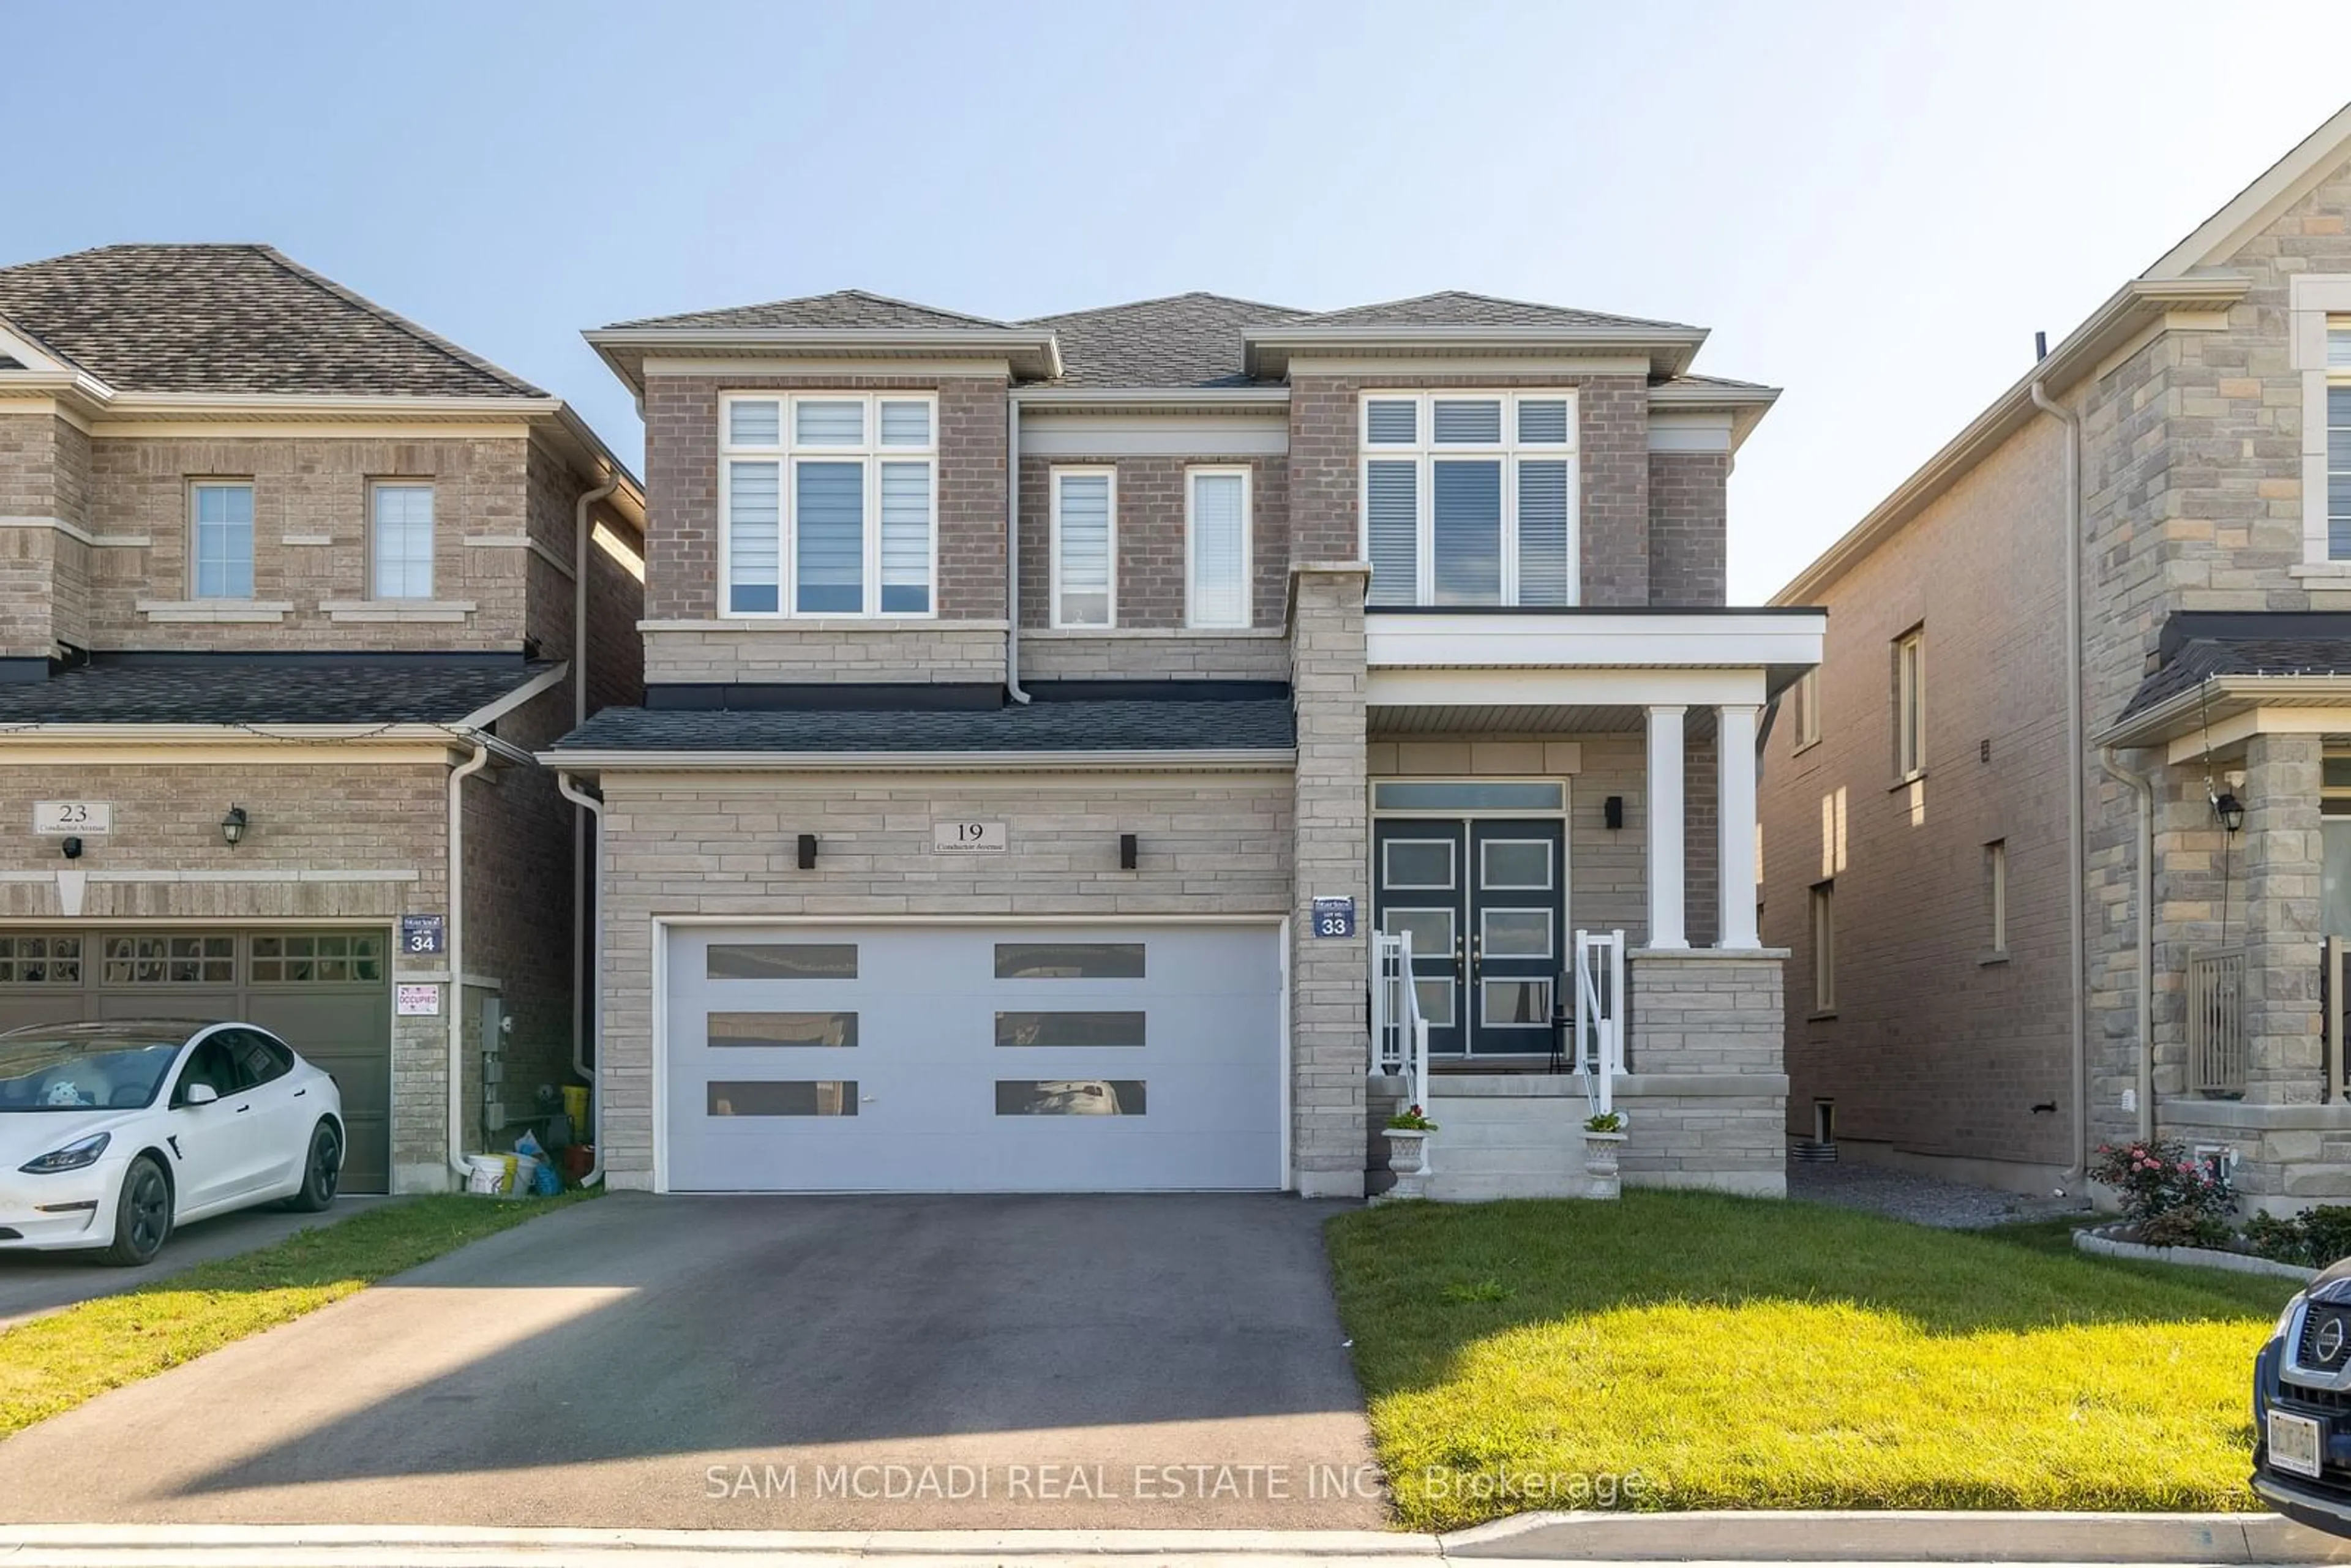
x=1872 y=206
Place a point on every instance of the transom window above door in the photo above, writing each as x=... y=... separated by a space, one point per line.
x=1469 y=497
x=828 y=503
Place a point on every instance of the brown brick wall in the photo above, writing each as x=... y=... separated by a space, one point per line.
x=1688 y=528
x=1613 y=471
x=1150 y=527
x=1930 y=1050
x=682 y=487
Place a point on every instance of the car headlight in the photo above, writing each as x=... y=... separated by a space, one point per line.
x=2285 y=1318
x=72 y=1157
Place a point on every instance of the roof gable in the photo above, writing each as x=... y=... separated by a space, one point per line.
x=842 y=308
x=2216 y=240
x=235 y=319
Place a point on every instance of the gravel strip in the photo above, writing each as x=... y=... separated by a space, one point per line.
x=1922 y=1199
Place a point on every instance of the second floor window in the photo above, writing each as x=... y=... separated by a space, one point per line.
x=1217 y=547
x=1085 y=546
x=2338 y=439
x=402 y=541
x=1910 y=702
x=829 y=505
x=1804 y=709
x=1469 y=498
x=223 y=539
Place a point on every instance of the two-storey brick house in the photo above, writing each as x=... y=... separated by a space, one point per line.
x=1055 y=731
x=2060 y=831
x=290 y=591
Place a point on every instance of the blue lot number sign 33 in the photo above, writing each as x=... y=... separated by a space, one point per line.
x=1334 y=918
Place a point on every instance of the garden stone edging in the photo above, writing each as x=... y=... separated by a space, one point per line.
x=2101 y=1240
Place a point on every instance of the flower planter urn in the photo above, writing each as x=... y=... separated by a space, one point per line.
x=1600 y=1178
x=1408 y=1159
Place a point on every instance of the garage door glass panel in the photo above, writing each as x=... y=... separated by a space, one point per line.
x=40 y=960
x=781 y=961
x=1068 y=961
x=171 y=960
x=817 y=1097
x=755 y=1029
x=1068 y=1097
x=1110 y=1029
x=317 y=958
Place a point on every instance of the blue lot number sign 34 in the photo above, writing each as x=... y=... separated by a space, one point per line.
x=1334 y=918
x=421 y=933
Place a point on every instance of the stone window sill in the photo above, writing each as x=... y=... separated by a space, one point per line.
x=215 y=612
x=1906 y=780
x=2337 y=569
x=1825 y=1015
x=1998 y=956
x=442 y=610
x=1055 y=633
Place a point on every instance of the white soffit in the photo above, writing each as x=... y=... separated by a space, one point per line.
x=1691 y=430
x=1594 y=640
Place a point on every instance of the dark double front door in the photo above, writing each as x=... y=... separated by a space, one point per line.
x=1483 y=900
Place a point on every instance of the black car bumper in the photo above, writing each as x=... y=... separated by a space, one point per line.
x=2305 y=1502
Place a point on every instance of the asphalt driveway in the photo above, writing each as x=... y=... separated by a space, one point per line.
x=761 y=1363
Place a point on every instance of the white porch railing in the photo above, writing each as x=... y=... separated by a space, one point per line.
x=1399 y=1034
x=1600 y=1014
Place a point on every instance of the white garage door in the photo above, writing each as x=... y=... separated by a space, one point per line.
x=964 y=1059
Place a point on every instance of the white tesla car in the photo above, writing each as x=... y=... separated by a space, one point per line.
x=112 y=1133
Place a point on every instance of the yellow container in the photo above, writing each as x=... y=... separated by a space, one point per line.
x=575 y=1105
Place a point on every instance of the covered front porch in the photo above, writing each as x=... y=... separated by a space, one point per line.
x=1563 y=872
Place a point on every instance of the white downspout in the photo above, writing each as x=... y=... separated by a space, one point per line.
x=1012 y=548
x=2078 y=977
x=591 y=807
x=582 y=922
x=457 y=777
x=2144 y=788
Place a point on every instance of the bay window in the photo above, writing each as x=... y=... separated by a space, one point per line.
x=1469 y=498
x=830 y=504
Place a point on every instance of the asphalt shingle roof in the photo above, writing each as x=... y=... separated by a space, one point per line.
x=846 y=307
x=2202 y=657
x=265 y=691
x=1453 y=307
x=1126 y=725
x=1185 y=341
x=232 y=318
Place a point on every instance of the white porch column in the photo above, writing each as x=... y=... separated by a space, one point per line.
x=1734 y=750
x=1667 y=884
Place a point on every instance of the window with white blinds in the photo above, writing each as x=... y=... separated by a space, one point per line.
x=402 y=542
x=830 y=504
x=1217 y=547
x=1469 y=497
x=1085 y=546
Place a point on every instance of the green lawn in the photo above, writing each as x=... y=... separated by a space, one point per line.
x=56 y=1362
x=1735 y=1353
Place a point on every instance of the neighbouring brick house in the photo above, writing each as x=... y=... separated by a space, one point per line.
x=1055 y=732
x=2050 y=889
x=290 y=591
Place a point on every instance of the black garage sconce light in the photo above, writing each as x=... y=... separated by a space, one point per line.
x=232 y=826
x=1126 y=852
x=808 y=851
x=72 y=849
x=1611 y=812
x=2229 y=811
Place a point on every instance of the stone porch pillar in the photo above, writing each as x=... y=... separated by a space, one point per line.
x=1667 y=887
x=2281 y=848
x=1330 y=978
x=1734 y=751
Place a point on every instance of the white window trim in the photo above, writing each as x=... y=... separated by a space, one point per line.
x=220 y=482
x=433 y=541
x=1804 y=706
x=788 y=453
x=1248 y=547
x=1996 y=886
x=1910 y=706
x=2312 y=297
x=1425 y=450
x=1053 y=590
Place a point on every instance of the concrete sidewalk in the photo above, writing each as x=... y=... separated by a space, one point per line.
x=1695 y=1537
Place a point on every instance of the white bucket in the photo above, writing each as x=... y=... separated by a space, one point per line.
x=485 y=1172
x=524 y=1170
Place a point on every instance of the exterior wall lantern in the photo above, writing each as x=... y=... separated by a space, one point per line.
x=808 y=851
x=232 y=826
x=2229 y=811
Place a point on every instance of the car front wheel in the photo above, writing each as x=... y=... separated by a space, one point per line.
x=142 y=1214
x=322 y=1171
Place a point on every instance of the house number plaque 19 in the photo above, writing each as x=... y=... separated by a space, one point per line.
x=968 y=839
